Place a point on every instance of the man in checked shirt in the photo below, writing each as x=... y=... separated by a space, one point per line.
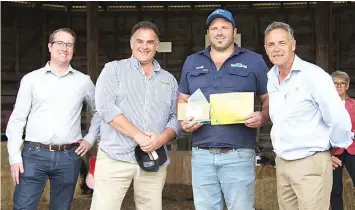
x=136 y=100
x=50 y=101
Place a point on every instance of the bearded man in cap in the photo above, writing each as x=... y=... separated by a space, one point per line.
x=223 y=156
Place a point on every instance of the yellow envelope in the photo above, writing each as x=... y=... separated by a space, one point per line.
x=200 y=112
x=231 y=108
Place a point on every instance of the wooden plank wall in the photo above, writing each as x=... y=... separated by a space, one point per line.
x=25 y=34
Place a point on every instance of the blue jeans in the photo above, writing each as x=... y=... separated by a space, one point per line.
x=62 y=168
x=228 y=174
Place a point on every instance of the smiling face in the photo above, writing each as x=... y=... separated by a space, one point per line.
x=280 y=47
x=221 y=34
x=61 y=53
x=144 y=45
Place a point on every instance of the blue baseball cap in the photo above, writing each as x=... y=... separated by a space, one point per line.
x=220 y=13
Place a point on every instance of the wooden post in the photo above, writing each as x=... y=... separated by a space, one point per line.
x=337 y=34
x=92 y=47
x=92 y=40
x=69 y=10
x=258 y=45
x=323 y=34
x=17 y=31
x=44 y=38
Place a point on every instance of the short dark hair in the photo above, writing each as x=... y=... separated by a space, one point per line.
x=67 y=30
x=145 y=25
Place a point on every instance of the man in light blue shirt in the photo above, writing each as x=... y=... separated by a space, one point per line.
x=308 y=118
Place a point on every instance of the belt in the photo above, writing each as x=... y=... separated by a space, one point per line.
x=218 y=149
x=53 y=147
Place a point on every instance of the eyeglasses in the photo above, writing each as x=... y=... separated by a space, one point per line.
x=339 y=84
x=62 y=44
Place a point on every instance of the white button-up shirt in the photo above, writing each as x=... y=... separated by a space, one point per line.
x=307 y=112
x=53 y=107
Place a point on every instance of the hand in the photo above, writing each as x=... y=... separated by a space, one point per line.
x=141 y=139
x=15 y=169
x=189 y=126
x=155 y=143
x=254 y=120
x=84 y=147
x=336 y=162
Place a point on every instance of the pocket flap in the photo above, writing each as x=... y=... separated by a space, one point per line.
x=238 y=71
x=198 y=72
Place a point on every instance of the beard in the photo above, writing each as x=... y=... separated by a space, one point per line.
x=221 y=45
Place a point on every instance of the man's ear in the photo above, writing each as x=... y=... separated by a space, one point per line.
x=293 y=45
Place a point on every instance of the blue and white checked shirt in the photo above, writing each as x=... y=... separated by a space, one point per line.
x=148 y=103
x=306 y=111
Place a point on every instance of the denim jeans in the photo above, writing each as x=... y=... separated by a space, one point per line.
x=229 y=175
x=62 y=168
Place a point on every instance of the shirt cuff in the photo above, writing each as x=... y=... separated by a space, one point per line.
x=90 y=138
x=108 y=116
x=17 y=158
x=176 y=127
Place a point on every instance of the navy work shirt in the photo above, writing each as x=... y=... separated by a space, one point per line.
x=243 y=71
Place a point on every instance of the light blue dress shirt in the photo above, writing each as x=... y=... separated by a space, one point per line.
x=50 y=108
x=306 y=111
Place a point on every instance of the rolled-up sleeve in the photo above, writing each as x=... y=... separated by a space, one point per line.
x=106 y=92
x=173 y=123
x=333 y=111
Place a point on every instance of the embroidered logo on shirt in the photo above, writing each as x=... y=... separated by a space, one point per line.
x=240 y=65
x=165 y=83
x=200 y=67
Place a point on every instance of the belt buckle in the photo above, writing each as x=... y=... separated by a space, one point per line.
x=50 y=148
x=215 y=150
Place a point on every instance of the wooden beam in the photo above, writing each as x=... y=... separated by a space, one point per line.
x=92 y=39
x=323 y=34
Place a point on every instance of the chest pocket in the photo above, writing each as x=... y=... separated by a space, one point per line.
x=299 y=100
x=238 y=80
x=199 y=79
x=163 y=94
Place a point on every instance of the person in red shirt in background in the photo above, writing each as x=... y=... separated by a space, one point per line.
x=343 y=157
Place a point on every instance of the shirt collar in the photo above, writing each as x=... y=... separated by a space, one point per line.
x=237 y=50
x=48 y=68
x=296 y=66
x=137 y=64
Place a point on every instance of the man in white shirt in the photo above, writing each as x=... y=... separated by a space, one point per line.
x=49 y=103
x=308 y=118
